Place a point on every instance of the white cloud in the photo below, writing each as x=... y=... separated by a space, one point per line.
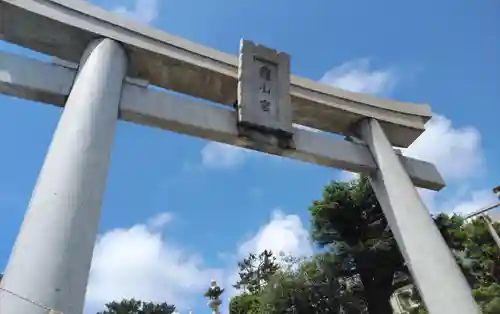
x=459 y=157
x=139 y=262
x=144 y=11
x=160 y=220
x=473 y=202
x=358 y=76
x=456 y=152
x=283 y=233
x=347 y=176
x=218 y=155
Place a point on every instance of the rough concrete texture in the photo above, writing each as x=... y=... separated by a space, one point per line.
x=63 y=28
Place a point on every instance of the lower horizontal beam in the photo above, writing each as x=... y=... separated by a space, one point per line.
x=50 y=83
x=34 y=80
x=183 y=115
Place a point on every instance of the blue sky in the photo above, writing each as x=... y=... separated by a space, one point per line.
x=179 y=211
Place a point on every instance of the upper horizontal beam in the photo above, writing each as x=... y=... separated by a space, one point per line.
x=27 y=78
x=63 y=28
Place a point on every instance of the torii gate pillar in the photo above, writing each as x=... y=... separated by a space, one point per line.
x=440 y=281
x=51 y=258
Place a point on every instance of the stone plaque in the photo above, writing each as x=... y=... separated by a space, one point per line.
x=264 y=90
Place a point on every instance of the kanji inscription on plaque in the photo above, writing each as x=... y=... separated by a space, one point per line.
x=264 y=88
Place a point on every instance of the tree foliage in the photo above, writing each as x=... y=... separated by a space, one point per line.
x=299 y=286
x=138 y=307
x=245 y=303
x=476 y=254
x=255 y=271
x=488 y=297
x=482 y=252
x=349 y=222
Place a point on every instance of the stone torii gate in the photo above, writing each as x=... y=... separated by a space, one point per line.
x=108 y=64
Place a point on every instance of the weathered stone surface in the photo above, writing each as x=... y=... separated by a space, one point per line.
x=264 y=107
x=63 y=28
x=264 y=87
x=176 y=113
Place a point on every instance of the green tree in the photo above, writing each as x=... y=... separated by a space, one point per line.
x=476 y=254
x=244 y=303
x=255 y=271
x=137 y=307
x=360 y=265
x=305 y=286
x=349 y=222
x=482 y=253
x=488 y=297
x=482 y=258
x=299 y=286
x=453 y=231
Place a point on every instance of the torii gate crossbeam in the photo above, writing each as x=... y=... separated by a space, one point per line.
x=51 y=258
